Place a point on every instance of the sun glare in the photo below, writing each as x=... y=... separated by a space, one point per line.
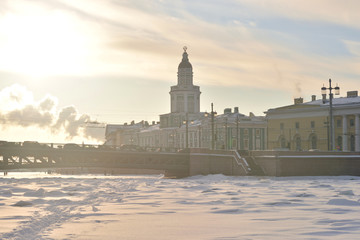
x=40 y=45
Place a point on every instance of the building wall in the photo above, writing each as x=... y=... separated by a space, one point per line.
x=291 y=129
x=307 y=126
x=350 y=131
x=251 y=135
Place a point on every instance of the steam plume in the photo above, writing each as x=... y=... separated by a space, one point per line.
x=18 y=108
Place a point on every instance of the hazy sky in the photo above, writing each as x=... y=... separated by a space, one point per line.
x=64 y=63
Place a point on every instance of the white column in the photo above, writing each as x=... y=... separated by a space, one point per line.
x=357 y=133
x=344 y=135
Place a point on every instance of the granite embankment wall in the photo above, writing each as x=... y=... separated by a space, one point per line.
x=203 y=161
x=272 y=163
x=206 y=161
x=286 y=163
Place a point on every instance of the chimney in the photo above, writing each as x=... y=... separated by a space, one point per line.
x=298 y=101
x=313 y=98
x=351 y=94
x=227 y=110
x=236 y=109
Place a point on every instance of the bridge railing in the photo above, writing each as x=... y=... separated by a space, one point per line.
x=74 y=146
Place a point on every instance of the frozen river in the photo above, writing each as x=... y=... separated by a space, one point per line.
x=40 y=206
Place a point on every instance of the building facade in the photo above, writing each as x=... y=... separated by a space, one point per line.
x=232 y=130
x=306 y=126
x=187 y=127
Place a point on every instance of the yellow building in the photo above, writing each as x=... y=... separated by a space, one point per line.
x=305 y=126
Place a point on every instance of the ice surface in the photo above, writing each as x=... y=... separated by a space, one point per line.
x=202 y=207
x=344 y=202
x=22 y=204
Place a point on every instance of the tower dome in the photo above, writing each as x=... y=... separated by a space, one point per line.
x=185 y=60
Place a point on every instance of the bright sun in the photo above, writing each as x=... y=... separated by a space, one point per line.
x=39 y=45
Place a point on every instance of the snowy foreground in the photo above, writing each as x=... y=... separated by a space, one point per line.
x=40 y=206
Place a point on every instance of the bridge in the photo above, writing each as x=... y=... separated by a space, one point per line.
x=174 y=164
x=188 y=162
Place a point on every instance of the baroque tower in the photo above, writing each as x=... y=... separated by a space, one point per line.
x=185 y=96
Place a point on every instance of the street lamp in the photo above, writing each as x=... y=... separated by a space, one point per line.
x=186 y=122
x=213 y=114
x=326 y=123
x=226 y=133
x=237 y=131
x=199 y=136
x=337 y=92
x=172 y=145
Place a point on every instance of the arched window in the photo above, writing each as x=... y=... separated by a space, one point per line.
x=352 y=143
x=313 y=141
x=282 y=142
x=297 y=143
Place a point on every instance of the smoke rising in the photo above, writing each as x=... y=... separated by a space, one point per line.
x=69 y=120
x=298 y=90
x=18 y=108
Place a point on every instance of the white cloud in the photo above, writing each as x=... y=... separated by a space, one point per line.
x=353 y=47
x=145 y=40
x=332 y=11
x=227 y=44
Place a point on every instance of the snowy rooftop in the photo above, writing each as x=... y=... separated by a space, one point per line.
x=151 y=128
x=349 y=101
x=232 y=117
x=336 y=101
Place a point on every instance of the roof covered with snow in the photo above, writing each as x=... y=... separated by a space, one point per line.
x=336 y=101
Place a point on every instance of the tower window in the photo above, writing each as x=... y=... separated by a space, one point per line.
x=338 y=123
x=352 y=122
x=246 y=131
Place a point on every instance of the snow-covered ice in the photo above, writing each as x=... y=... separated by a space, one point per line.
x=40 y=206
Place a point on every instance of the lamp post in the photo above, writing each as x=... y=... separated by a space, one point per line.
x=337 y=92
x=186 y=122
x=213 y=114
x=199 y=136
x=186 y=131
x=226 y=134
x=326 y=123
x=237 y=132
x=171 y=145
